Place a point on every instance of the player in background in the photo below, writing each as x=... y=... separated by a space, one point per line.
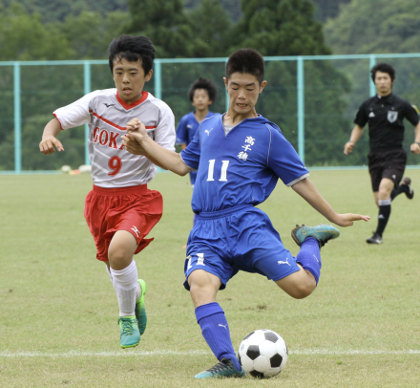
x=120 y=210
x=384 y=114
x=239 y=156
x=202 y=94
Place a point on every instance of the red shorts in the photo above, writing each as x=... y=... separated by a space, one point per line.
x=135 y=209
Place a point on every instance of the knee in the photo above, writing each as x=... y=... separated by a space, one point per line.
x=118 y=258
x=303 y=289
x=203 y=287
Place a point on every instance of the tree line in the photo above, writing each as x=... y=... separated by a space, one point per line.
x=30 y=30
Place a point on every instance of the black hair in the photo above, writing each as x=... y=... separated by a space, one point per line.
x=133 y=49
x=203 y=83
x=384 y=68
x=246 y=61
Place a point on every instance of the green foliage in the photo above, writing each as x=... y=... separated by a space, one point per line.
x=211 y=26
x=89 y=34
x=326 y=9
x=375 y=26
x=232 y=7
x=165 y=23
x=280 y=27
x=58 y=10
x=198 y=29
x=24 y=36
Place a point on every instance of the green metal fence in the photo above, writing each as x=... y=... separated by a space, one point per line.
x=312 y=98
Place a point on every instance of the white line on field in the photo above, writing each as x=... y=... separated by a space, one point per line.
x=138 y=353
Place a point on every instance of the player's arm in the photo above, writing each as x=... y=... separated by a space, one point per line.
x=356 y=134
x=415 y=147
x=138 y=142
x=307 y=190
x=49 y=142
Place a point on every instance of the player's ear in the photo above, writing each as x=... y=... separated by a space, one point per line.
x=225 y=80
x=148 y=76
x=262 y=85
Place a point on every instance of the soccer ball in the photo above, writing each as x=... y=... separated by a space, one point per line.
x=263 y=353
x=65 y=169
x=85 y=168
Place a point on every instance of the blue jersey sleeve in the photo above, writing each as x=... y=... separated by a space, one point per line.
x=191 y=154
x=283 y=158
x=181 y=131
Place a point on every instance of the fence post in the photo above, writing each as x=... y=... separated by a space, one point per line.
x=372 y=62
x=17 y=118
x=158 y=79
x=301 y=108
x=87 y=89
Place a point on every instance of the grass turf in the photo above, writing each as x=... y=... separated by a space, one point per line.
x=58 y=321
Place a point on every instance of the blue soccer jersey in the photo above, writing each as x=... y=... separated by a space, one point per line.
x=187 y=128
x=241 y=167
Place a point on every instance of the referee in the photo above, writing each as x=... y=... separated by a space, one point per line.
x=384 y=114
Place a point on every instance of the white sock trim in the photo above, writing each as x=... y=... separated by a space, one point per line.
x=126 y=286
x=384 y=202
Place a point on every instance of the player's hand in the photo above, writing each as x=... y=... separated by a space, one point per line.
x=135 y=125
x=348 y=147
x=347 y=219
x=415 y=148
x=49 y=144
x=133 y=143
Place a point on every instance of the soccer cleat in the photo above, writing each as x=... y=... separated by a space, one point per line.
x=224 y=368
x=406 y=188
x=322 y=233
x=375 y=239
x=140 y=309
x=129 y=332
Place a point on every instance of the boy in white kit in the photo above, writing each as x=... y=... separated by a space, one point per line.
x=120 y=210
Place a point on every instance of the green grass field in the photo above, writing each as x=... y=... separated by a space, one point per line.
x=58 y=320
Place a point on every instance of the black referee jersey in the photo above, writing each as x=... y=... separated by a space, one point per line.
x=385 y=117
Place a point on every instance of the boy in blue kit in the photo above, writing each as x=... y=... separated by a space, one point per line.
x=239 y=157
x=202 y=94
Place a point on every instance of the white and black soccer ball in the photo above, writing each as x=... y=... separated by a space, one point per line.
x=263 y=353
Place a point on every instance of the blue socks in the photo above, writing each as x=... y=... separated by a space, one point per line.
x=309 y=257
x=215 y=330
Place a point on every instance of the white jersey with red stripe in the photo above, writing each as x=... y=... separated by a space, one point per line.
x=107 y=116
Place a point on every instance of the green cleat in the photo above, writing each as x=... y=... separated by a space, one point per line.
x=224 y=368
x=140 y=309
x=129 y=332
x=322 y=233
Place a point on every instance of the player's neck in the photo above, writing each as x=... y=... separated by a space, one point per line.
x=233 y=118
x=200 y=115
x=384 y=94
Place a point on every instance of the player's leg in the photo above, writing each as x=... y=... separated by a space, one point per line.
x=384 y=202
x=395 y=171
x=98 y=204
x=138 y=210
x=393 y=166
x=124 y=275
x=214 y=326
x=303 y=282
x=205 y=274
x=376 y=171
x=404 y=187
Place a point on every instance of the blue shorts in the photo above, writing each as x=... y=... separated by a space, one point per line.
x=239 y=238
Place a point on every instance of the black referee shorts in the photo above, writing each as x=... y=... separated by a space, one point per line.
x=386 y=164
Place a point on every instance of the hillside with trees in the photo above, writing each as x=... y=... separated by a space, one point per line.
x=57 y=30
x=375 y=26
